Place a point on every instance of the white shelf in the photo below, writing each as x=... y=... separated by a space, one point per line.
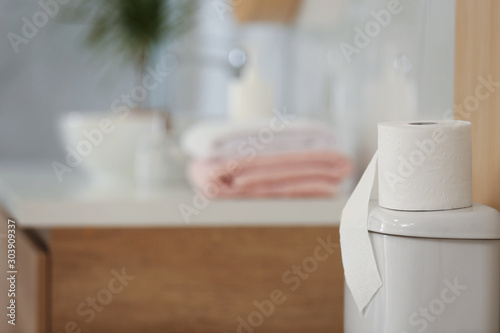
x=37 y=200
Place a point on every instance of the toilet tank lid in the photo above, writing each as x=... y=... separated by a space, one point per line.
x=475 y=222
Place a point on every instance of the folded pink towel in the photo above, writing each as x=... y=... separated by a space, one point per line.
x=310 y=173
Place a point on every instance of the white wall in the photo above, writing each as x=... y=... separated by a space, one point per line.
x=49 y=75
x=374 y=88
x=54 y=73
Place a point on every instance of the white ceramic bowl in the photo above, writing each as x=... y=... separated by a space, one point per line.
x=103 y=143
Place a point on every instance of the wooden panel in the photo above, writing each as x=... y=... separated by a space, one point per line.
x=266 y=10
x=31 y=282
x=477 y=58
x=197 y=280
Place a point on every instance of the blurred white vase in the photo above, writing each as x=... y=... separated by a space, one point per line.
x=104 y=144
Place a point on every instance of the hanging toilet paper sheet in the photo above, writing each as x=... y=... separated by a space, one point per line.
x=422 y=166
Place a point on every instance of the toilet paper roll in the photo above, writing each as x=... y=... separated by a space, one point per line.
x=425 y=165
x=421 y=166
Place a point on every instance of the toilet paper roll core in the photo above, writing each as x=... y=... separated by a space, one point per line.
x=423 y=123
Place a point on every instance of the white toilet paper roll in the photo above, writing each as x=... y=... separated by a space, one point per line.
x=425 y=165
x=421 y=166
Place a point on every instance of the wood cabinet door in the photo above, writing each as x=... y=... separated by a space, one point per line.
x=209 y=280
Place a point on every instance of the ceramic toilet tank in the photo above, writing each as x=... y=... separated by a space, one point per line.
x=440 y=273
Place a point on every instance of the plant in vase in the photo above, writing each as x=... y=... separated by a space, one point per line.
x=132 y=32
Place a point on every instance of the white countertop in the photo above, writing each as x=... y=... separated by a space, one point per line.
x=35 y=198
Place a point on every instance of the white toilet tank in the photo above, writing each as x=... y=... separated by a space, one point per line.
x=440 y=273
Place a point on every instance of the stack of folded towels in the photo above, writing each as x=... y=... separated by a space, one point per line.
x=264 y=159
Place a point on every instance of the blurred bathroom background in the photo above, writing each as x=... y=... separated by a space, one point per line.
x=403 y=73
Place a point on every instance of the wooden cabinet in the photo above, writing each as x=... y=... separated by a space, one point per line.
x=177 y=280
x=196 y=280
